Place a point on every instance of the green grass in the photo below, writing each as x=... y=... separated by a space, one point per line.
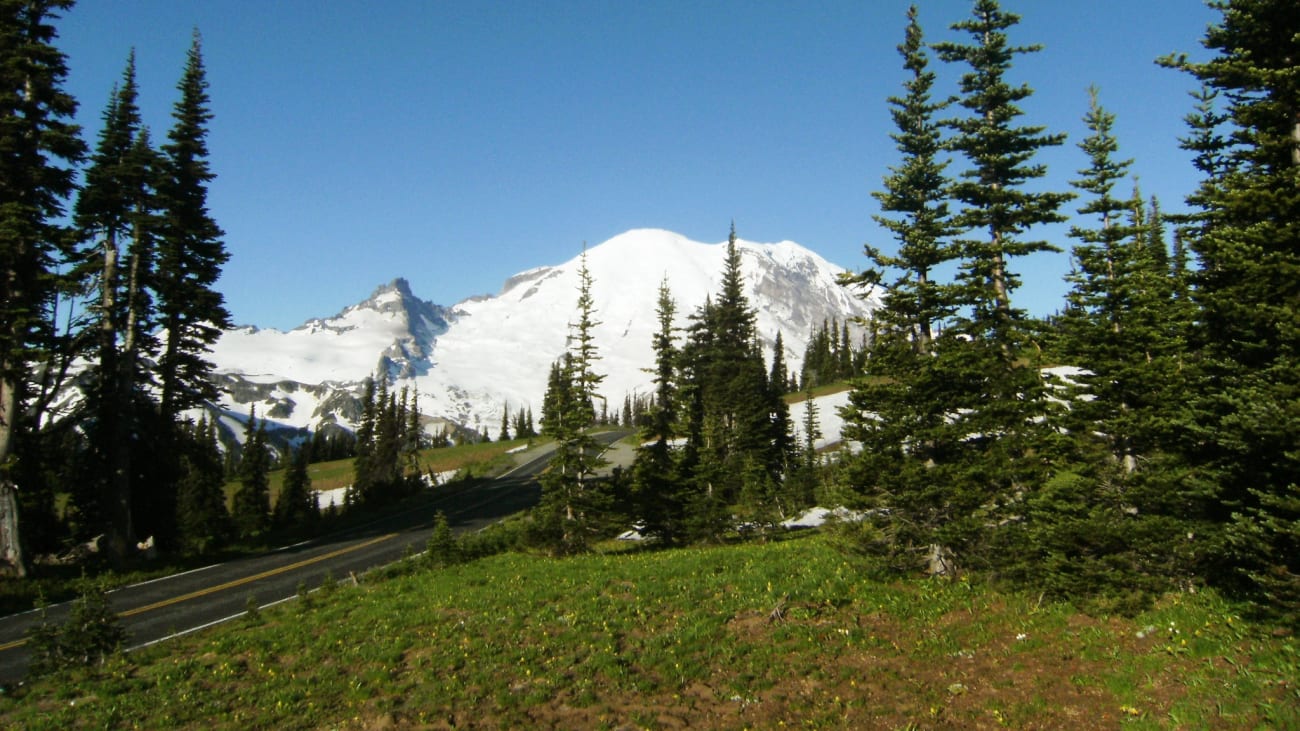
x=476 y=459
x=784 y=634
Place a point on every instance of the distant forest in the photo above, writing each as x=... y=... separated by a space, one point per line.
x=1143 y=439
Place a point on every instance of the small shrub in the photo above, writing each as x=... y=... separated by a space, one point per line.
x=90 y=635
x=444 y=550
x=252 y=610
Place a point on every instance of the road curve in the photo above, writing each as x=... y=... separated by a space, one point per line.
x=156 y=610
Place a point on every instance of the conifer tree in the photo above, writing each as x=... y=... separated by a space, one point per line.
x=1099 y=527
x=252 y=501
x=1006 y=442
x=296 y=504
x=42 y=147
x=191 y=254
x=573 y=505
x=203 y=522
x=900 y=409
x=998 y=206
x=1244 y=424
x=364 y=462
x=117 y=215
x=505 y=423
x=660 y=501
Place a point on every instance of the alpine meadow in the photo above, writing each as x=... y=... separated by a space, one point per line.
x=671 y=484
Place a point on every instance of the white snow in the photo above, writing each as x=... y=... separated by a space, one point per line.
x=497 y=351
x=829 y=421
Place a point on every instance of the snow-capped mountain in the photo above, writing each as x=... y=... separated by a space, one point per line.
x=470 y=361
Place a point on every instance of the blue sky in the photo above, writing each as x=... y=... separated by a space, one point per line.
x=457 y=143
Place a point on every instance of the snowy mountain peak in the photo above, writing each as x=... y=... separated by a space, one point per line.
x=487 y=354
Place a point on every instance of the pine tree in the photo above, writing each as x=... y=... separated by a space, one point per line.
x=573 y=505
x=296 y=504
x=117 y=215
x=252 y=502
x=505 y=424
x=998 y=204
x=1099 y=527
x=364 y=467
x=191 y=253
x=1006 y=445
x=1244 y=424
x=1094 y=323
x=42 y=148
x=202 y=520
x=660 y=502
x=901 y=408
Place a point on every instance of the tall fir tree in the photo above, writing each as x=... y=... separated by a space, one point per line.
x=252 y=501
x=364 y=459
x=900 y=409
x=116 y=213
x=296 y=503
x=998 y=203
x=573 y=504
x=1244 y=423
x=202 y=519
x=1007 y=440
x=37 y=177
x=1102 y=529
x=658 y=495
x=191 y=253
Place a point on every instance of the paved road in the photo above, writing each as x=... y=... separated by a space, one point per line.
x=159 y=609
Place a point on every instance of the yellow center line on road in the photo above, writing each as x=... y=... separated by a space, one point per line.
x=232 y=584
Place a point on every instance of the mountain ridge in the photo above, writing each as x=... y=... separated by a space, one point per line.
x=471 y=361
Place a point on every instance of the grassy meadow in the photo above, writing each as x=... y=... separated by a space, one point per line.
x=784 y=634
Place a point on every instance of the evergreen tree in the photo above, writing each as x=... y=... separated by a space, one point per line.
x=191 y=254
x=572 y=504
x=443 y=548
x=505 y=423
x=900 y=409
x=998 y=206
x=363 y=464
x=1006 y=441
x=117 y=215
x=37 y=176
x=296 y=504
x=252 y=502
x=1100 y=528
x=202 y=520
x=1244 y=424
x=659 y=499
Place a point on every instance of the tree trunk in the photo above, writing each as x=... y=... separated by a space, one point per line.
x=12 y=558
x=113 y=417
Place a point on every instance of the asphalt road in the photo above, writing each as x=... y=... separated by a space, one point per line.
x=157 y=610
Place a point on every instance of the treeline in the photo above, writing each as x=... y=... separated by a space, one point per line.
x=1167 y=459
x=1159 y=454
x=716 y=432
x=117 y=271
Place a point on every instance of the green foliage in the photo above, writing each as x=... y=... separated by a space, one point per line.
x=202 y=520
x=1242 y=422
x=191 y=255
x=252 y=502
x=575 y=505
x=296 y=503
x=443 y=549
x=387 y=445
x=90 y=636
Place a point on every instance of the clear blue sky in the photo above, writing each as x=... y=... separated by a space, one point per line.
x=457 y=143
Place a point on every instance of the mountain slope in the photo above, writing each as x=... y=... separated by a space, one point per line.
x=486 y=354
